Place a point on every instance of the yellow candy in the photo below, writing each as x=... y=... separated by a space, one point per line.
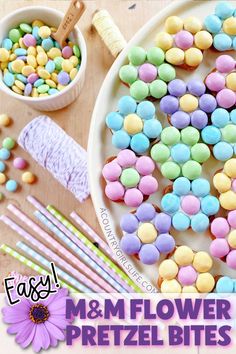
x=61 y=87
x=37 y=23
x=34 y=92
x=67 y=65
x=42 y=58
x=39 y=68
x=20 y=84
x=222 y=182
x=54 y=77
x=188 y=103
x=28 y=177
x=54 y=52
x=183 y=255
x=44 y=74
x=32 y=51
x=4 y=54
x=193 y=57
x=73 y=73
x=70 y=44
x=202 y=262
x=53 y=29
x=175 y=56
x=192 y=24
x=170 y=286
x=147 y=232
x=17 y=90
x=27 y=70
x=232 y=239
x=21 y=43
x=229 y=26
x=189 y=289
x=168 y=269
x=205 y=283
x=228 y=200
x=15 y=46
x=173 y=24
x=4 y=65
x=231 y=81
x=164 y=40
x=31 y=61
x=133 y=124
x=40 y=49
x=43 y=94
x=3 y=178
x=44 y=32
x=5 y=120
x=17 y=66
x=12 y=57
x=74 y=60
x=230 y=168
x=203 y=40
x=51 y=83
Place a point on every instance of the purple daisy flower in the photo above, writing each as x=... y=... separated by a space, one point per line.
x=41 y=324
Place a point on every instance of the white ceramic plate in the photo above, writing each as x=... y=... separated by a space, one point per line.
x=100 y=147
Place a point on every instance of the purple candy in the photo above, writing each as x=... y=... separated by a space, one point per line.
x=67 y=52
x=184 y=39
x=162 y=222
x=29 y=40
x=149 y=254
x=145 y=212
x=22 y=57
x=32 y=78
x=165 y=243
x=129 y=223
x=130 y=244
x=177 y=87
x=196 y=87
x=207 y=103
x=63 y=78
x=147 y=72
x=199 y=119
x=28 y=89
x=169 y=104
x=180 y=119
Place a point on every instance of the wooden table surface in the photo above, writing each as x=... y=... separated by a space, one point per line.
x=75 y=119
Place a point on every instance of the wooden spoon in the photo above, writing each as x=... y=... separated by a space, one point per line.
x=67 y=25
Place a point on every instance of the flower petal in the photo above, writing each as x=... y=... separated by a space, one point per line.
x=24 y=332
x=58 y=321
x=52 y=298
x=53 y=340
x=41 y=338
x=16 y=327
x=10 y=315
x=55 y=331
x=57 y=305
x=29 y=339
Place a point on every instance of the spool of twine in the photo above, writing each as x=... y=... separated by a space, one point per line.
x=109 y=32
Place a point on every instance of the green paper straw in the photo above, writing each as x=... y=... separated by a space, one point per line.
x=90 y=245
x=30 y=264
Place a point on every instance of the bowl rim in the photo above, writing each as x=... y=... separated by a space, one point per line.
x=82 y=46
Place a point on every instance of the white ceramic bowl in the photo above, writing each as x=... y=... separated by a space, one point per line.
x=53 y=18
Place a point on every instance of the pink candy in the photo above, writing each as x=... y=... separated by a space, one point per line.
x=231 y=259
x=111 y=171
x=32 y=78
x=220 y=227
x=232 y=218
x=226 y=98
x=219 y=248
x=184 y=40
x=145 y=166
x=29 y=40
x=133 y=197
x=19 y=163
x=114 y=191
x=215 y=82
x=190 y=205
x=126 y=158
x=225 y=63
x=147 y=72
x=148 y=185
x=187 y=275
x=67 y=52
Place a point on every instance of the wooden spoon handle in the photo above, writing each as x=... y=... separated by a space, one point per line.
x=67 y=25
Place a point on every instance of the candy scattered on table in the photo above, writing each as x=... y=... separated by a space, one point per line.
x=226 y=285
x=8 y=143
x=224 y=244
x=134 y=125
x=2 y=166
x=19 y=163
x=129 y=178
x=147 y=73
x=180 y=153
x=5 y=120
x=5 y=154
x=11 y=185
x=3 y=178
x=146 y=233
x=187 y=272
x=28 y=177
x=190 y=204
x=33 y=63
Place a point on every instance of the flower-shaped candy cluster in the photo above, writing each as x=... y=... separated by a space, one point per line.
x=183 y=41
x=221 y=134
x=146 y=234
x=134 y=126
x=226 y=285
x=147 y=73
x=180 y=153
x=225 y=183
x=187 y=272
x=224 y=244
x=129 y=178
x=188 y=104
x=222 y=81
x=222 y=25
x=190 y=204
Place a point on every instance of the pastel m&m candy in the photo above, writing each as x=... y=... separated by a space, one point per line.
x=19 y=163
x=28 y=177
x=11 y=185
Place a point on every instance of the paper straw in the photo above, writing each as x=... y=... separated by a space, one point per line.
x=94 y=236
x=77 y=250
x=63 y=252
x=90 y=245
x=31 y=264
x=14 y=226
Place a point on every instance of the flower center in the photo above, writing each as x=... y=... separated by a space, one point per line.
x=39 y=313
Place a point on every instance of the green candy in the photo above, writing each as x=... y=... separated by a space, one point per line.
x=170 y=136
x=58 y=61
x=139 y=90
x=160 y=153
x=191 y=170
x=170 y=170
x=14 y=35
x=158 y=88
x=25 y=27
x=128 y=74
x=166 y=72
x=137 y=56
x=8 y=143
x=200 y=152
x=43 y=88
x=76 y=51
x=130 y=178
x=190 y=136
x=155 y=56
x=229 y=133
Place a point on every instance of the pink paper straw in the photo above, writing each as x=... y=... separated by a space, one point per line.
x=63 y=252
x=94 y=236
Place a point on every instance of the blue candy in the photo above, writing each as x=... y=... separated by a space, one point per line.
x=152 y=128
x=127 y=105
x=222 y=42
x=220 y=117
x=213 y=24
x=11 y=185
x=21 y=78
x=121 y=139
x=9 y=66
x=38 y=82
x=180 y=153
x=223 y=151
x=211 y=135
x=180 y=221
x=146 y=110
x=50 y=66
x=139 y=143
x=7 y=44
x=114 y=121
x=47 y=44
x=20 y=51
x=199 y=222
x=233 y=116
x=2 y=166
x=210 y=205
x=52 y=91
x=57 y=45
x=181 y=186
x=4 y=154
x=224 y=10
x=170 y=203
x=225 y=285
x=200 y=187
x=9 y=79
x=35 y=33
